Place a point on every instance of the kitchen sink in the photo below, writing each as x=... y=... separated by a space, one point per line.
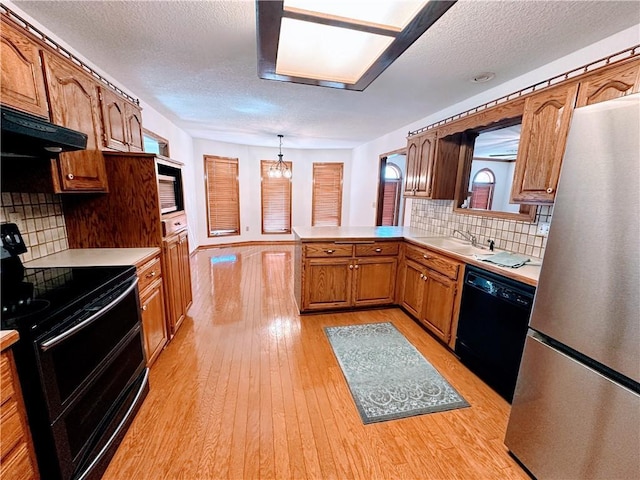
x=455 y=245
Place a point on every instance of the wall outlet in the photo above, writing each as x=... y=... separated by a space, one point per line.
x=246 y=229
x=543 y=228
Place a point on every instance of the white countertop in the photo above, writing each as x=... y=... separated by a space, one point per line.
x=527 y=274
x=94 y=257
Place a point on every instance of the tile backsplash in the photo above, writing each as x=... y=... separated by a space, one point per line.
x=40 y=220
x=437 y=218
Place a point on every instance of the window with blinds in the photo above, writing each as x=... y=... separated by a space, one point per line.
x=326 y=209
x=276 y=200
x=223 y=195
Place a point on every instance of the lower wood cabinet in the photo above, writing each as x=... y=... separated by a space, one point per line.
x=175 y=251
x=349 y=275
x=18 y=461
x=429 y=291
x=152 y=304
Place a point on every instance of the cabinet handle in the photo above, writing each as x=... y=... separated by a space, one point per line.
x=426 y=257
x=424 y=278
x=177 y=223
x=70 y=176
x=421 y=276
x=329 y=251
x=350 y=267
x=144 y=308
x=357 y=267
x=549 y=190
x=378 y=250
x=150 y=275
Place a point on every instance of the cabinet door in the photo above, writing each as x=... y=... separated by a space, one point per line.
x=171 y=267
x=440 y=297
x=609 y=84
x=374 y=281
x=154 y=326
x=22 y=85
x=185 y=271
x=73 y=97
x=411 y=179
x=412 y=294
x=426 y=155
x=327 y=283
x=545 y=125
x=114 y=121
x=133 y=117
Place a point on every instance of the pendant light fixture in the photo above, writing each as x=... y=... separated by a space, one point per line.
x=279 y=169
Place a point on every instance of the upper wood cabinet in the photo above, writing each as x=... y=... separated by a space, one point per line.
x=545 y=126
x=421 y=151
x=22 y=85
x=432 y=165
x=121 y=123
x=73 y=98
x=609 y=83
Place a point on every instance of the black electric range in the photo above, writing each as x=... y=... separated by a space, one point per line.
x=36 y=304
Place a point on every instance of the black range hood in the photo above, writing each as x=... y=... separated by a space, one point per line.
x=27 y=135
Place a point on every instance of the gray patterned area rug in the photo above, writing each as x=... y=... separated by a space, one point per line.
x=387 y=376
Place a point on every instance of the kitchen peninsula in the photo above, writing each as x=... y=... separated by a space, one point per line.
x=340 y=268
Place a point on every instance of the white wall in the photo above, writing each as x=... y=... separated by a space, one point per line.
x=249 y=158
x=365 y=157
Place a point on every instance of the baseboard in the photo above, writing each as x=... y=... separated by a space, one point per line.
x=253 y=243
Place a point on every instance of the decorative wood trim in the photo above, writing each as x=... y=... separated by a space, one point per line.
x=54 y=46
x=572 y=75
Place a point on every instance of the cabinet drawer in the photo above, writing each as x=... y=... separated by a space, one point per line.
x=6 y=378
x=148 y=272
x=175 y=223
x=434 y=261
x=17 y=465
x=377 y=249
x=328 y=250
x=10 y=426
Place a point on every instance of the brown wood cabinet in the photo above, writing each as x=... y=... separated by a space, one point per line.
x=130 y=216
x=338 y=275
x=73 y=99
x=152 y=305
x=17 y=457
x=22 y=84
x=545 y=126
x=432 y=164
x=429 y=290
x=609 y=83
x=121 y=123
x=176 y=254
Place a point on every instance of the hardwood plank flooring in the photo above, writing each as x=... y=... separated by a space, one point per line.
x=249 y=389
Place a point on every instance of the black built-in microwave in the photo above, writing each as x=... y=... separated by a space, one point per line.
x=170 y=189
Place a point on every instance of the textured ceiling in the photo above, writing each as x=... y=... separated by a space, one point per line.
x=195 y=62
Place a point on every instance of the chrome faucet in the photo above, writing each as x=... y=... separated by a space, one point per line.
x=466 y=236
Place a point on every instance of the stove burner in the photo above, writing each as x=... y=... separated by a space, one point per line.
x=22 y=309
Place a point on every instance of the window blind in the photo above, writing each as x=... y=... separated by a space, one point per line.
x=223 y=198
x=390 y=202
x=276 y=200
x=326 y=201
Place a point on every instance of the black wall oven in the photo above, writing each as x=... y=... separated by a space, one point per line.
x=80 y=361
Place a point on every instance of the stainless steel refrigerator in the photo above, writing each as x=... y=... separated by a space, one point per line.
x=576 y=409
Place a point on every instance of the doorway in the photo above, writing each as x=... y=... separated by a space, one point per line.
x=390 y=208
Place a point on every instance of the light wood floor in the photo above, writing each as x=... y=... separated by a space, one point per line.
x=248 y=389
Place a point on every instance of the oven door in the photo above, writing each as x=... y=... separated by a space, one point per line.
x=89 y=368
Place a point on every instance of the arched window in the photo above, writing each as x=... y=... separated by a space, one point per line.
x=392 y=172
x=482 y=189
x=391 y=194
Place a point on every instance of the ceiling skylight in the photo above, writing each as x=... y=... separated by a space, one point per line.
x=341 y=44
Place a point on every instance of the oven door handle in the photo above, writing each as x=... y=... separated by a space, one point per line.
x=52 y=342
x=117 y=430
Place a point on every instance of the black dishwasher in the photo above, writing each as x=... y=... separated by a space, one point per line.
x=494 y=315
